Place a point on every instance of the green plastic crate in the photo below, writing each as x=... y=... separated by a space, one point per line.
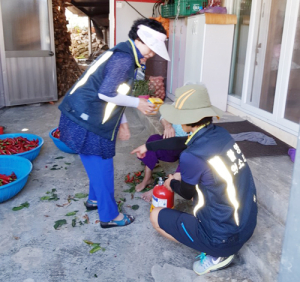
x=187 y=7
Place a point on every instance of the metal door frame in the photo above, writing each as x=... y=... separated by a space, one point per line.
x=3 y=66
x=277 y=117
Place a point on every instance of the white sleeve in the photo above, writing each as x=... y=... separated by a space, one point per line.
x=121 y=100
x=123 y=119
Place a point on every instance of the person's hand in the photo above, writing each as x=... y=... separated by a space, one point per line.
x=169 y=131
x=177 y=176
x=124 y=132
x=140 y=151
x=145 y=107
x=167 y=182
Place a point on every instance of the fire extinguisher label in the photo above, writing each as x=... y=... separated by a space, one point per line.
x=161 y=203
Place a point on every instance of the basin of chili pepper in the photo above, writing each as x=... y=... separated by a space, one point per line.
x=54 y=135
x=24 y=145
x=14 y=172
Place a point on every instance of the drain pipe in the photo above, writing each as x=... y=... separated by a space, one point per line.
x=289 y=265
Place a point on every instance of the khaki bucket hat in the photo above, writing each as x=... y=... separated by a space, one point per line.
x=191 y=104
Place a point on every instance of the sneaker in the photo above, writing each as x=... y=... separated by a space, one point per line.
x=208 y=263
x=91 y=205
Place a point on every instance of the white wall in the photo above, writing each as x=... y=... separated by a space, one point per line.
x=125 y=16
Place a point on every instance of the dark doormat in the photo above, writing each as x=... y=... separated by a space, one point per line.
x=254 y=149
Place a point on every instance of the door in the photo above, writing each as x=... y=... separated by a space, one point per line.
x=28 y=60
x=267 y=50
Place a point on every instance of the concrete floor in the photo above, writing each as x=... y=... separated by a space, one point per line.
x=31 y=250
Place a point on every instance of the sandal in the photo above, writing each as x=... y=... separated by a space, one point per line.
x=118 y=223
x=91 y=205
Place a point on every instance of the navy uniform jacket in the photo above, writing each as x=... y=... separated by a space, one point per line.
x=82 y=104
x=226 y=195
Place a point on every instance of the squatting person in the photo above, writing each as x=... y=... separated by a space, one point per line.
x=215 y=174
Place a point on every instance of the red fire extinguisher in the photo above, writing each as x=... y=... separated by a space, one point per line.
x=162 y=197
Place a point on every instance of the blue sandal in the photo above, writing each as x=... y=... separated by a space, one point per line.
x=118 y=223
x=91 y=205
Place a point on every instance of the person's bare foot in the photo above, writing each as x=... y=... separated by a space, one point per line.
x=143 y=185
x=147 y=196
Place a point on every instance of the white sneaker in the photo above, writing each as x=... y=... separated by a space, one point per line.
x=208 y=263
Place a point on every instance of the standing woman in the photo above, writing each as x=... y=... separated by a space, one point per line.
x=93 y=113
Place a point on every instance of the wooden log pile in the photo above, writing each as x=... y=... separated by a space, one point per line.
x=67 y=69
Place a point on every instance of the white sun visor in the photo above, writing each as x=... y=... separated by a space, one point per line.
x=154 y=40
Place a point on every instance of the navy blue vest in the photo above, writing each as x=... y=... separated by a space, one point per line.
x=82 y=104
x=228 y=213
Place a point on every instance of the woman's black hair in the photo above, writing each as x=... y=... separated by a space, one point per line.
x=201 y=122
x=147 y=22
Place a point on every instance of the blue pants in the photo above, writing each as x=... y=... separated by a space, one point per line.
x=101 y=175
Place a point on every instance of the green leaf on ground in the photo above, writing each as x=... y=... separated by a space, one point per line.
x=73 y=222
x=130 y=190
x=95 y=275
x=95 y=249
x=123 y=199
x=59 y=223
x=80 y=195
x=71 y=213
x=58 y=158
x=120 y=205
x=95 y=246
x=88 y=242
x=67 y=163
x=24 y=205
x=55 y=165
x=147 y=188
x=135 y=207
x=54 y=198
x=45 y=198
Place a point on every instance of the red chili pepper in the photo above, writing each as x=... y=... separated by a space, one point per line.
x=5 y=179
x=138 y=173
x=127 y=178
x=17 y=145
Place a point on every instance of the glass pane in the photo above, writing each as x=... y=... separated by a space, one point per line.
x=292 y=106
x=242 y=10
x=267 y=54
x=26 y=25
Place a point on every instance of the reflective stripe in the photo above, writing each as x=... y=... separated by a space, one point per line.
x=91 y=70
x=223 y=172
x=200 y=203
x=182 y=103
x=182 y=97
x=123 y=89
